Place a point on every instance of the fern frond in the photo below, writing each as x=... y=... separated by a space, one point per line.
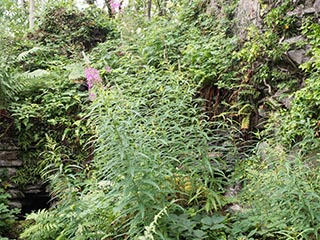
x=45 y=226
x=76 y=71
x=34 y=74
x=22 y=56
x=9 y=87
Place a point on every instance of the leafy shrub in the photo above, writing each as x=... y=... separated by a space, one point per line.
x=9 y=84
x=73 y=30
x=193 y=225
x=299 y=127
x=7 y=215
x=12 y=21
x=86 y=215
x=159 y=165
x=48 y=111
x=154 y=150
x=145 y=136
x=277 y=18
x=281 y=188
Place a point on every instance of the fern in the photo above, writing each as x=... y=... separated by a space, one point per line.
x=24 y=55
x=9 y=85
x=45 y=226
x=34 y=74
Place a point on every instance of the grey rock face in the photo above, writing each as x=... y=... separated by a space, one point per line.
x=316 y=5
x=247 y=13
x=295 y=39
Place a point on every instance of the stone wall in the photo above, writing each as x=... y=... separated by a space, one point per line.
x=9 y=164
x=26 y=198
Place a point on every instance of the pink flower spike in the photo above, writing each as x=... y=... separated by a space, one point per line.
x=115 y=5
x=108 y=69
x=92 y=76
x=92 y=96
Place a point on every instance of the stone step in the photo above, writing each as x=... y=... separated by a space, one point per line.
x=7 y=145
x=9 y=171
x=10 y=163
x=8 y=155
x=34 y=189
x=15 y=194
x=15 y=204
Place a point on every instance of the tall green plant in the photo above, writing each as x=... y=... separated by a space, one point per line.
x=154 y=149
x=280 y=198
x=151 y=144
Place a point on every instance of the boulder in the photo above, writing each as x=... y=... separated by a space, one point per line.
x=213 y=8
x=295 y=40
x=298 y=56
x=298 y=11
x=310 y=10
x=308 y=3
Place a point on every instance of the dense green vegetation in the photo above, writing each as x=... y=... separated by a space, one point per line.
x=169 y=127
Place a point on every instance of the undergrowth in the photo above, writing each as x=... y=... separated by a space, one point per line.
x=175 y=112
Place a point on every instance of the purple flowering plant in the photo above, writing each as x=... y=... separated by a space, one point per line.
x=93 y=77
x=108 y=69
x=115 y=5
x=92 y=96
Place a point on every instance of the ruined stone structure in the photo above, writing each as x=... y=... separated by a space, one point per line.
x=27 y=198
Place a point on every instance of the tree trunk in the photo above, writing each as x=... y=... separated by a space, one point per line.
x=149 y=9
x=31 y=14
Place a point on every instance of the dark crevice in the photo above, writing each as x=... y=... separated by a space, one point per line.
x=33 y=202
